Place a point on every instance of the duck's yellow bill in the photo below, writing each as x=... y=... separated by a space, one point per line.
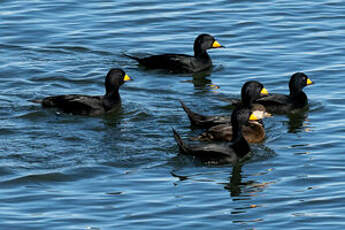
x=252 y=117
x=214 y=86
x=309 y=82
x=127 y=78
x=264 y=91
x=216 y=44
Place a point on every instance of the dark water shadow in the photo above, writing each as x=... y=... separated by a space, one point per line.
x=234 y=185
x=200 y=80
x=241 y=189
x=296 y=120
x=114 y=118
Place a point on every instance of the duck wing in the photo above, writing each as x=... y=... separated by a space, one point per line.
x=253 y=133
x=165 y=61
x=277 y=103
x=211 y=153
x=221 y=132
x=274 y=99
x=178 y=63
x=214 y=153
x=75 y=104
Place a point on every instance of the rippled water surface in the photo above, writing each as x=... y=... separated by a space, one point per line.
x=123 y=171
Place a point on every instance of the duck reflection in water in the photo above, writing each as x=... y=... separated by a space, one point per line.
x=296 y=122
x=236 y=184
x=201 y=81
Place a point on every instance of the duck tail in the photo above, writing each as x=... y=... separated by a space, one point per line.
x=195 y=118
x=231 y=101
x=38 y=101
x=182 y=146
x=235 y=102
x=132 y=57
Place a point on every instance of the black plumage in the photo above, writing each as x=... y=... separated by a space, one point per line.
x=182 y=63
x=91 y=105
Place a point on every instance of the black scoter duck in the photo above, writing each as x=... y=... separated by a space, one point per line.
x=182 y=63
x=297 y=99
x=91 y=105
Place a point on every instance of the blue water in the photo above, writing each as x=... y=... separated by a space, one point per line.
x=123 y=171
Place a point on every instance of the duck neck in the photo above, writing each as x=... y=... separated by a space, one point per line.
x=299 y=97
x=200 y=52
x=239 y=144
x=247 y=102
x=294 y=90
x=111 y=98
x=247 y=98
